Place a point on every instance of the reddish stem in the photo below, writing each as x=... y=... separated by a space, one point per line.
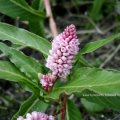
x=63 y=106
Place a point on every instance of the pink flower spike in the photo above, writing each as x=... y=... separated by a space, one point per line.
x=47 y=81
x=64 y=48
x=36 y=116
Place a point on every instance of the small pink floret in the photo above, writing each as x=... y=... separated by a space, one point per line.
x=47 y=81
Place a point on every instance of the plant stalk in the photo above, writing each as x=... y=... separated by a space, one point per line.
x=63 y=106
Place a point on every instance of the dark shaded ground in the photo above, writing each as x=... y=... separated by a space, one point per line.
x=65 y=13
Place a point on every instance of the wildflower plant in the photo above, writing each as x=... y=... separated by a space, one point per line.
x=64 y=74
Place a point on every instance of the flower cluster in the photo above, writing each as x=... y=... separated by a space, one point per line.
x=64 y=49
x=47 y=81
x=36 y=116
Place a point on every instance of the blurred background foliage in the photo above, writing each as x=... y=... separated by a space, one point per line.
x=94 y=19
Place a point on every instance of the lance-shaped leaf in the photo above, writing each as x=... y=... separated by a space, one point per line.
x=95 y=12
x=30 y=105
x=19 y=8
x=91 y=106
x=38 y=4
x=98 y=80
x=26 y=105
x=26 y=64
x=23 y=37
x=9 y=72
x=39 y=25
x=72 y=112
x=111 y=100
x=92 y=46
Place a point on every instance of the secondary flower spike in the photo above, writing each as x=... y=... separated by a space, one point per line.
x=64 y=48
x=47 y=81
x=36 y=116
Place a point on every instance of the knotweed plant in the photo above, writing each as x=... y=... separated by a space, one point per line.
x=51 y=98
x=64 y=48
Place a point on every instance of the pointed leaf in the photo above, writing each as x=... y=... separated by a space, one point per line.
x=38 y=4
x=95 y=13
x=72 y=112
x=92 y=46
x=91 y=106
x=39 y=106
x=25 y=107
x=19 y=8
x=9 y=72
x=98 y=80
x=23 y=37
x=26 y=64
x=39 y=25
x=106 y=100
x=81 y=62
x=30 y=105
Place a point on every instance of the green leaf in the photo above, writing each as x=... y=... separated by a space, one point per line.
x=38 y=4
x=9 y=72
x=30 y=105
x=39 y=25
x=98 y=80
x=39 y=106
x=25 y=107
x=23 y=37
x=72 y=112
x=105 y=100
x=81 y=62
x=92 y=46
x=35 y=4
x=91 y=106
x=96 y=9
x=19 y=8
x=26 y=64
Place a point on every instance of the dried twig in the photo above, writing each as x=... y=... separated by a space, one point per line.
x=86 y=31
x=110 y=57
x=50 y=17
x=97 y=29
